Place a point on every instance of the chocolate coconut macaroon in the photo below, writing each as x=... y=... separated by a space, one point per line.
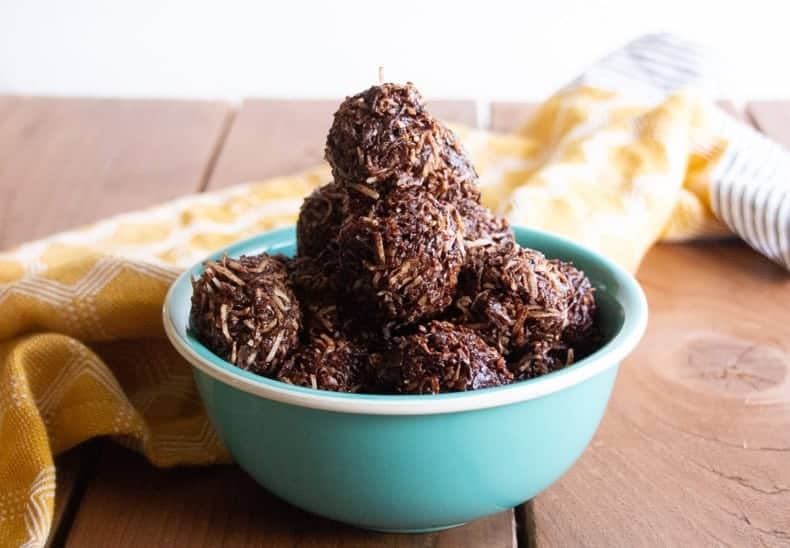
x=320 y=217
x=384 y=139
x=442 y=357
x=513 y=297
x=401 y=261
x=244 y=311
x=327 y=363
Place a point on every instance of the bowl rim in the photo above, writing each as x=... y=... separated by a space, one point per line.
x=629 y=294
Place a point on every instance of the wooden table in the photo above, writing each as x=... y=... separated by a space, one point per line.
x=695 y=446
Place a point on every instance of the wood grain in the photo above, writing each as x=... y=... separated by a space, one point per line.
x=66 y=162
x=129 y=503
x=272 y=138
x=695 y=447
x=222 y=506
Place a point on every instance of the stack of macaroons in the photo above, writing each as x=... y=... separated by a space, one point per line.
x=402 y=281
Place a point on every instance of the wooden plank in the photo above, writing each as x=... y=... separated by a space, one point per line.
x=772 y=118
x=695 y=446
x=461 y=112
x=272 y=138
x=66 y=162
x=129 y=503
x=509 y=116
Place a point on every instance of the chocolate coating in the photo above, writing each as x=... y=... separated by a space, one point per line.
x=314 y=278
x=245 y=312
x=384 y=138
x=327 y=363
x=540 y=362
x=513 y=297
x=402 y=261
x=320 y=217
x=442 y=357
x=580 y=303
x=322 y=317
x=481 y=227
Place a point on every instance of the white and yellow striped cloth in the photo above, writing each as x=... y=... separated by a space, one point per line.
x=617 y=160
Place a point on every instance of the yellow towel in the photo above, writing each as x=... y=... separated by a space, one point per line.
x=82 y=350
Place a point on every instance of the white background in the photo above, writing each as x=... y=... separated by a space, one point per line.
x=294 y=48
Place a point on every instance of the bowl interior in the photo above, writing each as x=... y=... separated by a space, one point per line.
x=622 y=318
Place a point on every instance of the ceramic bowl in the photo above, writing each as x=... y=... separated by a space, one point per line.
x=414 y=463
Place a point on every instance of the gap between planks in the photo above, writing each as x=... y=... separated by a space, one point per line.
x=211 y=164
x=59 y=154
x=688 y=454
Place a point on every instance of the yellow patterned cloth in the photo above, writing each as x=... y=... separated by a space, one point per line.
x=82 y=348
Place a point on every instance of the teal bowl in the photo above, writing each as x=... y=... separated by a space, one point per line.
x=414 y=463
